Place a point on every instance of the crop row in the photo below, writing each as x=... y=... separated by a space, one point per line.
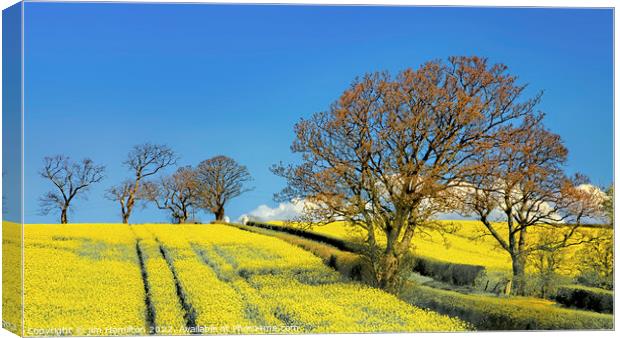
x=82 y=279
x=272 y=283
x=104 y=279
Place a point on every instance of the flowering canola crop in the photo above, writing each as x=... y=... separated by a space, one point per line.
x=82 y=279
x=11 y=277
x=113 y=279
x=467 y=242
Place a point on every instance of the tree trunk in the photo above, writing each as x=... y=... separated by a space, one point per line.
x=131 y=200
x=219 y=213
x=181 y=218
x=184 y=215
x=518 y=275
x=389 y=262
x=389 y=271
x=126 y=217
x=398 y=237
x=63 y=216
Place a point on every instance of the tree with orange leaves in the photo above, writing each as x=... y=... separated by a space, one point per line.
x=388 y=151
x=521 y=180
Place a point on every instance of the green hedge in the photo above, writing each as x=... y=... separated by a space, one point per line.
x=453 y=273
x=504 y=313
x=484 y=312
x=335 y=242
x=587 y=298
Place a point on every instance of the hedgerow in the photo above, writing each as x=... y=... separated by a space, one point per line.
x=483 y=312
x=586 y=298
x=504 y=313
x=453 y=273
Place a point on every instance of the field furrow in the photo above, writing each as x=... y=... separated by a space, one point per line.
x=189 y=313
x=103 y=279
x=291 y=280
x=169 y=315
x=216 y=304
x=257 y=309
x=148 y=303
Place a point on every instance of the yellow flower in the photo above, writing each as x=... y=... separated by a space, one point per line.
x=116 y=279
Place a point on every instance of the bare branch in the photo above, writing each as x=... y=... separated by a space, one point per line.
x=69 y=179
x=388 y=151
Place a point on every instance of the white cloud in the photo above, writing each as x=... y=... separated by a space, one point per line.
x=284 y=211
x=595 y=192
x=291 y=210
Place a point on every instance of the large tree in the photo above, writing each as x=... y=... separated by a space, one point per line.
x=176 y=193
x=221 y=179
x=70 y=179
x=144 y=160
x=384 y=154
x=520 y=185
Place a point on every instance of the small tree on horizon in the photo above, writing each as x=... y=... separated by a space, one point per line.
x=221 y=179
x=71 y=180
x=120 y=193
x=144 y=160
x=176 y=193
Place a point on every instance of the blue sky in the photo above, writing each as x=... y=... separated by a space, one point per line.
x=232 y=80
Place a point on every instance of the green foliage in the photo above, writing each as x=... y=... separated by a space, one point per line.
x=453 y=273
x=546 y=264
x=330 y=240
x=595 y=263
x=504 y=313
x=586 y=298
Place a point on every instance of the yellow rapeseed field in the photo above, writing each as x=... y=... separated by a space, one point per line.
x=464 y=245
x=11 y=277
x=114 y=279
x=467 y=243
x=80 y=279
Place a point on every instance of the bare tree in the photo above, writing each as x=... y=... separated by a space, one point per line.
x=144 y=160
x=70 y=179
x=388 y=148
x=176 y=193
x=120 y=193
x=221 y=179
x=521 y=175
